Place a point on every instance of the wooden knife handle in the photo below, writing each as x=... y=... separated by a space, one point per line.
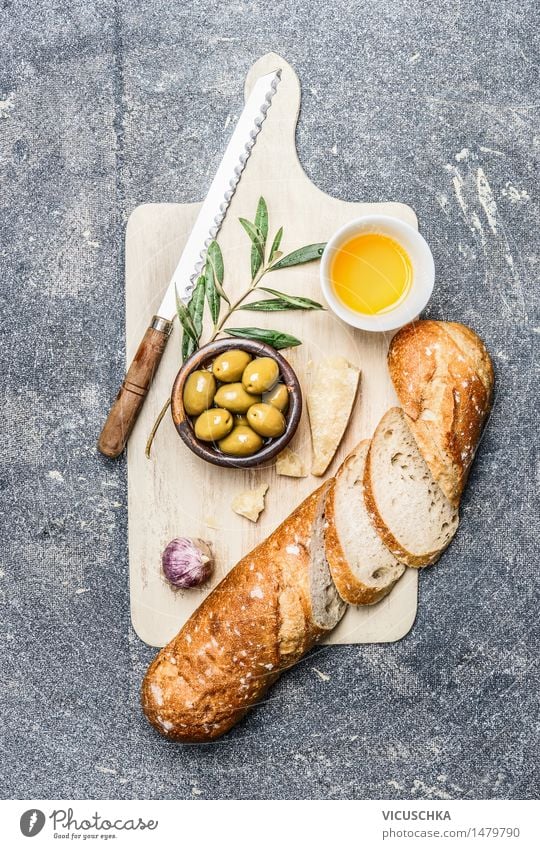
x=129 y=401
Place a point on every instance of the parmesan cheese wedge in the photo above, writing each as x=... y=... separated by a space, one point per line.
x=290 y=464
x=330 y=400
x=250 y=503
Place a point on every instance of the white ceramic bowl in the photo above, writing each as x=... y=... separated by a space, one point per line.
x=423 y=272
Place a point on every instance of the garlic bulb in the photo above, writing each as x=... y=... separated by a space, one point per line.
x=187 y=562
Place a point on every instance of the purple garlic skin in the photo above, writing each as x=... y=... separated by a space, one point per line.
x=187 y=562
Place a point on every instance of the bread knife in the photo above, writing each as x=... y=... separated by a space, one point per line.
x=131 y=396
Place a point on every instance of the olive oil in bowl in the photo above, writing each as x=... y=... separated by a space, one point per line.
x=377 y=273
x=371 y=273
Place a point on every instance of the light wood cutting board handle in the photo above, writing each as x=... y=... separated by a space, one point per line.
x=130 y=398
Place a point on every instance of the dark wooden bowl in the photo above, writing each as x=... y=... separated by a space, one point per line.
x=202 y=359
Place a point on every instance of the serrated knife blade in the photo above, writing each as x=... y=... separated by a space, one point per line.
x=223 y=186
x=130 y=398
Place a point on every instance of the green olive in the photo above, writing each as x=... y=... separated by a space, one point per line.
x=260 y=375
x=199 y=391
x=278 y=397
x=229 y=367
x=241 y=442
x=234 y=397
x=266 y=420
x=213 y=425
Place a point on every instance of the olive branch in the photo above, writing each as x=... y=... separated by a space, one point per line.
x=210 y=290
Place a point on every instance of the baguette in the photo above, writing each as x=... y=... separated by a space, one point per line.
x=443 y=378
x=261 y=619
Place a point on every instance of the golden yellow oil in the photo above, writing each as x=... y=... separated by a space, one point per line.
x=371 y=273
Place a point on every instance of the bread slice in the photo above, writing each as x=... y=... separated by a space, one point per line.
x=406 y=505
x=334 y=384
x=363 y=568
x=300 y=560
x=328 y=605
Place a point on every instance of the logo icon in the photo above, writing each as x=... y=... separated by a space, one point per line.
x=32 y=822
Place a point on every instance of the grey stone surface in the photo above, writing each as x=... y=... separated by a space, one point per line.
x=105 y=105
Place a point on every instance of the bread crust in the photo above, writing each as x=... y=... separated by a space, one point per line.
x=254 y=625
x=443 y=377
x=351 y=589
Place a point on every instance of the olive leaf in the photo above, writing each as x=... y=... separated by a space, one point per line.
x=184 y=316
x=274 y=338
x=196 y=306
x=212 y=295
x=305 y=254
x=188 y=346
x=261 y=217
x=274 y=250
x=256 y=236
x=215 y=258
x=270 y=305
x=196 y=310
x=261 y=222
x=277 y=304
x=294 y=301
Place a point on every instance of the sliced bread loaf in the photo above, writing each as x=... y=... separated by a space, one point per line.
x=262 y=618
x=406 y=505
x=363 y=568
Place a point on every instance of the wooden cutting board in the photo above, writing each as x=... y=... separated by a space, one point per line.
x=177 y=494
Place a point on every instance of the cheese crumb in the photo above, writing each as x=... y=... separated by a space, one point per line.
x=250 y=503
x=290 y=464
x=211 y=522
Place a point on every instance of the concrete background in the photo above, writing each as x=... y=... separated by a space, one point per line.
x=104 y=105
